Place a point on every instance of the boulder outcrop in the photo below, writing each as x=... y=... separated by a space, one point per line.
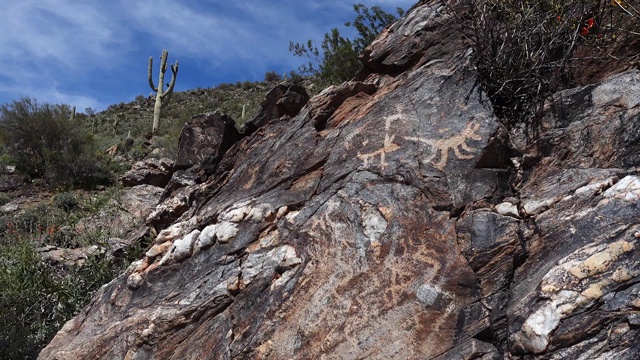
x=204 y=140
x=281 y=101
x=395 y=217
x=151 y=171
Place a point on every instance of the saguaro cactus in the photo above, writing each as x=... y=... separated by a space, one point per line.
x=162 y=97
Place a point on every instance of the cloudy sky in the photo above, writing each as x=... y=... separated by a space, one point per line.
x=94 y=53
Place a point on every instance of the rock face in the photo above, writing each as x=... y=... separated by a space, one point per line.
x=393 y=218
x=204 y=140
x=155 y=172
x=282 y=100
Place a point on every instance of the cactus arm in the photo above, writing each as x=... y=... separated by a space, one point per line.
x=153 y=87
x=174 y=70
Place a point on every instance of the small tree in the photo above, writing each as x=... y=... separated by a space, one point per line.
x=337 y=58
x=271 y=76
x=46 y=141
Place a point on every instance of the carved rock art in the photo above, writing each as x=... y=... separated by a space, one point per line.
x=455 y=143
x=388 y=145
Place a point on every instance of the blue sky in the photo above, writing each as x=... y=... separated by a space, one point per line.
x=94 y=53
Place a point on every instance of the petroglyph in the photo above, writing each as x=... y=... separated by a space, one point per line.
x=455 y=143
x=388 y=145
x=440 y=147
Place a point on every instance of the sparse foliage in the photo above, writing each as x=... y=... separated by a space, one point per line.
x=272 y=76
x=337 y=58
x=46 y=142
x=37 y=296
x=525 y=50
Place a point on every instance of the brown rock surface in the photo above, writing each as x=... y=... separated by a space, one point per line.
x=204 y=140
x=156 y=172
x=282 y=100
x=385 y=221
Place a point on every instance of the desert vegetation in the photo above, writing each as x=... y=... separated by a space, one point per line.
x=525 y=50
x=66 y=176
x=336 y=60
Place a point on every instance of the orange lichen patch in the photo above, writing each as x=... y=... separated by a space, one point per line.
x=601 y=261
x=353 y=108
x=307 y=181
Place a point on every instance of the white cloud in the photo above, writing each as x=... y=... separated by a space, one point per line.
x=82 y=51
x=57 y=32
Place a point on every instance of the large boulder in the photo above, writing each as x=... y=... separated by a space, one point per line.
x=392 y=218
x=151 y=171
x=204 y=140
x=282 y=100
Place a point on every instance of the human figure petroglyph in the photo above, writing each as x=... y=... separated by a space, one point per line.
x=388 y=145
x=440 y=147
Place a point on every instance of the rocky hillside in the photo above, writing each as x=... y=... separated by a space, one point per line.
x=391 y=217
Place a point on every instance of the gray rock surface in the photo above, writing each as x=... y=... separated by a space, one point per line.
x=151 y=171
x=204 y=140
x=387 y=221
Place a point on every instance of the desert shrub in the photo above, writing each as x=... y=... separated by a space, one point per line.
x=296 y=78
x=140 y=99
x=271 y=76
x=87 y=169
x=4 y=198
x=225 y=86
x=38 y=218
x=32 y=305
x=102 y=200
x=67 y=201
x=167 y=146
x=36 y=296
x=36 y=299
x=336 y=60
x=525 y=50
x=90 y=111
x=46 y=142
x=247 y=85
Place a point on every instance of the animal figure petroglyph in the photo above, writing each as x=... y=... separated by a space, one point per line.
x=457 y=143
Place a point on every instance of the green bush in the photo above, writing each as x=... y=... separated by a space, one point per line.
x=4 y=198
x=271 y=76
x=66 y=201
x=38 y=218
x=337 y=58
x=45 y=142
x=32 y=303
x=525 y=50
x=37 y=299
